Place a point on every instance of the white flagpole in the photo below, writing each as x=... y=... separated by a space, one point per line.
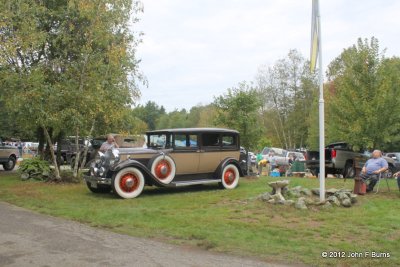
x=321 y=116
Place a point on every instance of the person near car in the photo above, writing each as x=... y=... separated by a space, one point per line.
x=108 y=144
x=19 y=145
x=258 y=159
x=372 y=169
x=272 y=160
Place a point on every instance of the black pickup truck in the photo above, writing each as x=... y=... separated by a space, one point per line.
x=339 y=159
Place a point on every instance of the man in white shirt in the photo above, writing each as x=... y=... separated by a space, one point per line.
x=108 y=144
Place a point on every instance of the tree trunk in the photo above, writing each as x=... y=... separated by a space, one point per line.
x=53 y=156
x=60 y=159
x=85 y=151
x=77 y=153
x=41 y=138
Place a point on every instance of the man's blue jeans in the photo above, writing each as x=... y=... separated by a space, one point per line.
x=370 y=180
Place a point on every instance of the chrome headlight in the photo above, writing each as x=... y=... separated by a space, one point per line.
x=98 y=160
x=114 y=157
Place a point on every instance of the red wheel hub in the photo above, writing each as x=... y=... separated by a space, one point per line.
x=163 y=169
x=129 y=182
x=229 y=176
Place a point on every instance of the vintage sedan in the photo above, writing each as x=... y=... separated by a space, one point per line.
x=8 y=156
x=173 y=157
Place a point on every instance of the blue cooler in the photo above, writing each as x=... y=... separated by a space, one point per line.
x=275 y=174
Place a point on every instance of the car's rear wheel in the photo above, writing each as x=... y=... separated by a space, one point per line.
x=10 y=164
x=230 y=176
x=100 y=189
x=349 y=171
x=128 y=183
x=163 y=168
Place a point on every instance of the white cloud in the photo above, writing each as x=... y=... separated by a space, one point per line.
x=195 y=50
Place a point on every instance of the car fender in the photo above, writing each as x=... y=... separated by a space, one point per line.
x=150 y=179
x=225 y=162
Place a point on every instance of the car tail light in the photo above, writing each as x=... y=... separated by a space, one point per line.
x=333 y=153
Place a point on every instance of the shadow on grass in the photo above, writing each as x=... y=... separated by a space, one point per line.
x=159 y=191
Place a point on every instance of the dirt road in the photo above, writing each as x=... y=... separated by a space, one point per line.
x=31 y=239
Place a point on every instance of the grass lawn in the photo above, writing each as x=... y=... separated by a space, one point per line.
x=230 y=220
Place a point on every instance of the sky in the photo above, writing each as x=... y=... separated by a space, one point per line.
x=194 y=50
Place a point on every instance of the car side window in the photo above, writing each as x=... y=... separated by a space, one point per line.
x=180 y=141
x=193 y=141
x=211 y=140
x=229 y=141
x=185 y=141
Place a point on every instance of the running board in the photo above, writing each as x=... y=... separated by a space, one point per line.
x=204 y=181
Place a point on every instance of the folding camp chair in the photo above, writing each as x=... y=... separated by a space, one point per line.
x=382 y=176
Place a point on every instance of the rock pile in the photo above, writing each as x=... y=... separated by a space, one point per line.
x=302 y=197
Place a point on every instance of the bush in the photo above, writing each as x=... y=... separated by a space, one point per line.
x=34 y=168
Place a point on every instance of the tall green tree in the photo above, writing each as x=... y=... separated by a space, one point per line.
x=69 y=65
x=150 y=113
x=239 y=109
x=363 y=103
x=287 y=91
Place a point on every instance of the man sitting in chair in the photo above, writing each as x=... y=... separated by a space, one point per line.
x=372 y=168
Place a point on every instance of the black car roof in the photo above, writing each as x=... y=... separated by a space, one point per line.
x=194 y=130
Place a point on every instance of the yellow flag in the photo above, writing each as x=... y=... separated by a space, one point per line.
x=314 y=35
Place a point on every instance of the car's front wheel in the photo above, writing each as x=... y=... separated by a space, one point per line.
x=230 y=176
x=128 y=183
x=10 y=164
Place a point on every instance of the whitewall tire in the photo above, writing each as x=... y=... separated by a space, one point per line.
x=128 y=183
x=163 y=168
x=230 y=176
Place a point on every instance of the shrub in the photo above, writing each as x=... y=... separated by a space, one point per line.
x=34 y=168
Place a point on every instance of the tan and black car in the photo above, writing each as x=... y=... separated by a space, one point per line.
x=173 y=157
x=8 y=156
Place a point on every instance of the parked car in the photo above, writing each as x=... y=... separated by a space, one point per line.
x=8 y=156
x=282 y=155
x=339 y=159
x=173 y=157
x=67 y=148
x=396 y=158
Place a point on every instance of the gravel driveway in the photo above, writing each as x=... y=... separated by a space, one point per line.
x=31 y=239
